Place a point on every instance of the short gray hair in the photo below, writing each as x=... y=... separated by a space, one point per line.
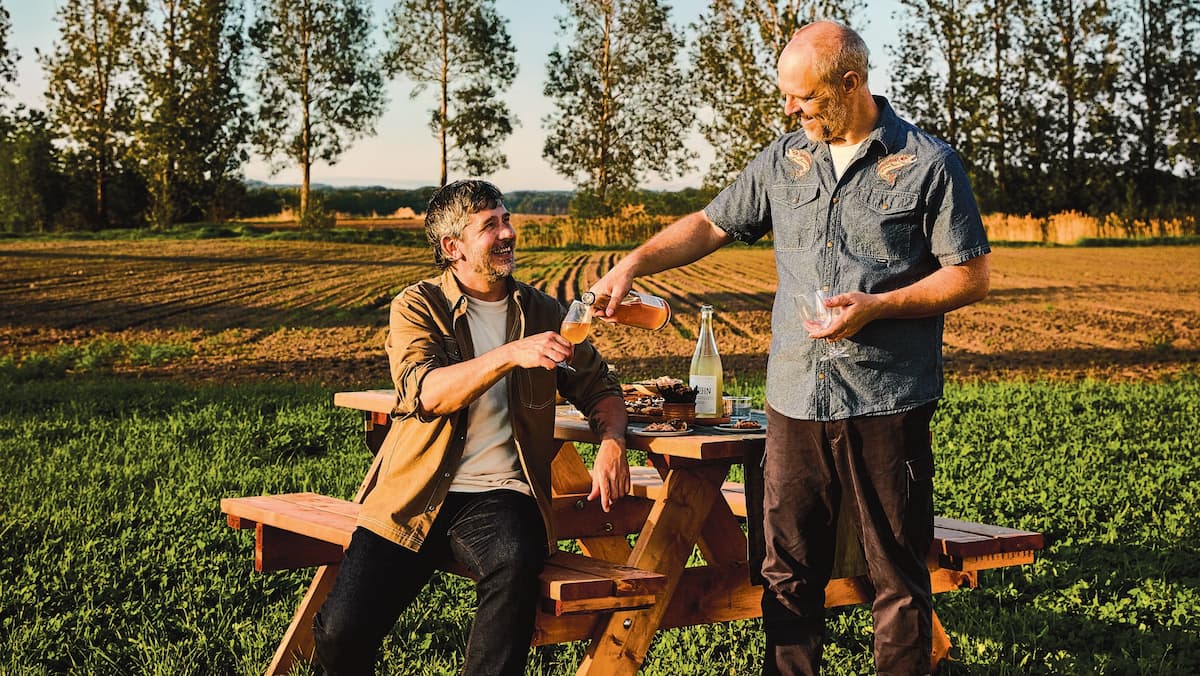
x=848 y=53
x=451 y=207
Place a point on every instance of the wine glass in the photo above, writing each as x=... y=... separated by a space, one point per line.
x=817 y=317
x=575 y=327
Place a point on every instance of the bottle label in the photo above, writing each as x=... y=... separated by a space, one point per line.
x=707 y=397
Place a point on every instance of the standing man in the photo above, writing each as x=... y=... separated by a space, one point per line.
x=880 y=215
x=465 y=473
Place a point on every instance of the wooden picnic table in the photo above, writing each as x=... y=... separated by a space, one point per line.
x=679 y=503
x=687 y=510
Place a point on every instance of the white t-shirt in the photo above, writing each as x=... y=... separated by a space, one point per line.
x=842 y=155
x=490 y=456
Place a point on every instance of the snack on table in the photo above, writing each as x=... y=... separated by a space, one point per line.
x=650 y=388
x=672 y=425
x=678 y=394
x=746 y=425
x=643 y=405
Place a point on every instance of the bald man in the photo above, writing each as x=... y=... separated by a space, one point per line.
x=879 y=216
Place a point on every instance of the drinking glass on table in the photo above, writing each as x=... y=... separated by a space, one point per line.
x=575 y=327
x=817 y=317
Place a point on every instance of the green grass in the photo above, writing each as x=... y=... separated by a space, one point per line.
x=99 y=355
x=116 y=559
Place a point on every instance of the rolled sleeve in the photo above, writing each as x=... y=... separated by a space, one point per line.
x=415 y=346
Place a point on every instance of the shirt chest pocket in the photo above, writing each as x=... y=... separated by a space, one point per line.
x=795 y=214
x=536 y=387
x=887 y=225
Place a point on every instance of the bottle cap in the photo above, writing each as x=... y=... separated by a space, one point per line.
x=588 y=298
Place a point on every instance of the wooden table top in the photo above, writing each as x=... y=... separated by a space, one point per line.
x=701 y=444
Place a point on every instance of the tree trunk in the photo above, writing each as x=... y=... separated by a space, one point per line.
x=605 y=105
x=305 y=112
x=445 y=83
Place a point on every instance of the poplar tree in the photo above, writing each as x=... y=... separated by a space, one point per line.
x=461 y=49
x=1161 y=64
x=733 y=71
x=935 y=66
x=318 y=82
x=1071 y=54
x=619 y=110
x=194 y=122
x=89 y=91
x=8 y=57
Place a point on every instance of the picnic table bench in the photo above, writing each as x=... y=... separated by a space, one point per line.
x=615 y=595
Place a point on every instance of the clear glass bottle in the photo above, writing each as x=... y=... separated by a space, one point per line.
x=705 y=374
x=636 y=309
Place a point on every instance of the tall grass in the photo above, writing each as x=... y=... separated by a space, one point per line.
x=116 y=559
x=1072 y=227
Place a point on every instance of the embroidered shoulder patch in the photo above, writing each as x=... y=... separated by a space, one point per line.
x=887 y=167
x=802 y=159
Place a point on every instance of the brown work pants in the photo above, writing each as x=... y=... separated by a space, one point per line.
x=884 y=466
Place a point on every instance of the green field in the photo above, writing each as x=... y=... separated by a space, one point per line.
x=116 y=558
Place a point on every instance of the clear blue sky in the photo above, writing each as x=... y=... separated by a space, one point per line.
x=403 y=153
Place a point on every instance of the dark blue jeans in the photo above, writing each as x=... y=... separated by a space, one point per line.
x=497 y=535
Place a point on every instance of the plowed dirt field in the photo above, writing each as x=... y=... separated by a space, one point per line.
x=251 y=309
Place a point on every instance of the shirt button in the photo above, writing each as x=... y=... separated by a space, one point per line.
x=429 y=508
x=447 y=475
x=825 y=288
x=828 y=245
x=821 y=376
x=884 y=205
x=834 y=200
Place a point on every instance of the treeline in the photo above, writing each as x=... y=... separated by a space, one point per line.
x=259 y=201
x=153 y=107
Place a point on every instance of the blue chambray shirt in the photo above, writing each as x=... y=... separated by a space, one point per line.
x=902 y=209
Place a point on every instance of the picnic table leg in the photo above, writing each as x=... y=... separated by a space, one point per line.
x=621 y=640
x=297 y=644
x=941 y=643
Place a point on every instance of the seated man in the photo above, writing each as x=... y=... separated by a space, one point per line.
x=465 y=474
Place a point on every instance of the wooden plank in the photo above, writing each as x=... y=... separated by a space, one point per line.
x=566 y=584
x=980 y=528
x=695 y=446
x=297 y=645
x=607 y=604
x=987 y=561
x=376 y=401
x=317 y=516
x=277 y=549
x=963 y=539
x=711 y=594
x=577 y=517
x=627 y=580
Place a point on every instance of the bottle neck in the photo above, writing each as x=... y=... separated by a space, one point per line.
x=706 y=342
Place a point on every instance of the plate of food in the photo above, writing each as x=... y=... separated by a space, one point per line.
x=743 y=427
x=666 y=428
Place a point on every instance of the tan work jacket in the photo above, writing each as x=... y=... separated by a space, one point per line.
x=428 y=329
